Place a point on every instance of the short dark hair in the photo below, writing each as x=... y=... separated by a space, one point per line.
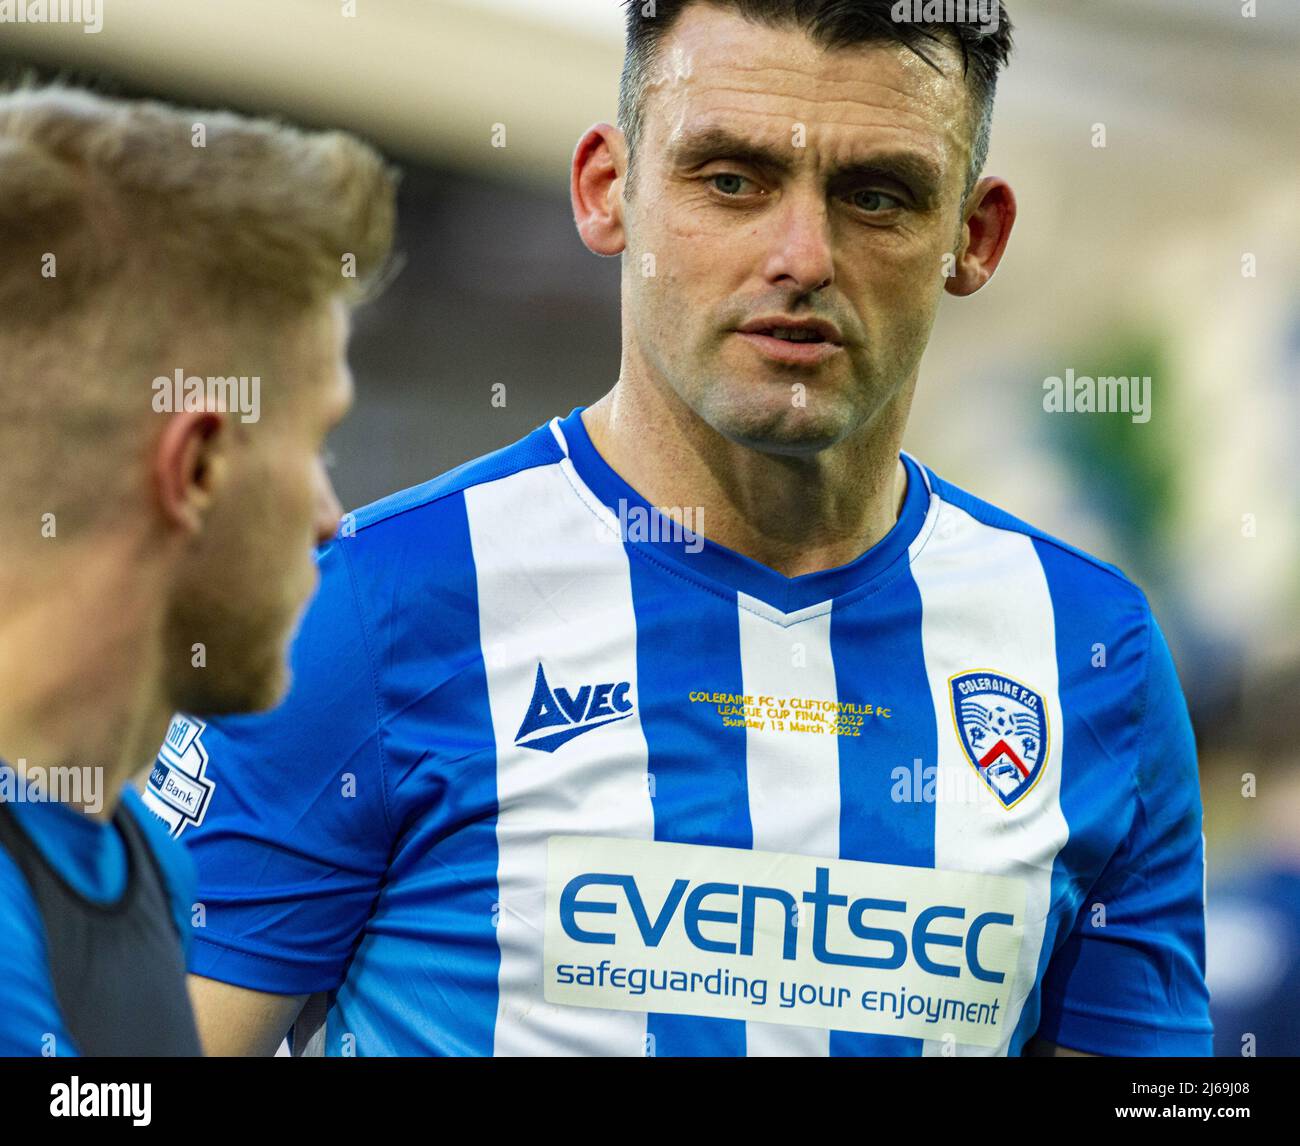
x=830 y=24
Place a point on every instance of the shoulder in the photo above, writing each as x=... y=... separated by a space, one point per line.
x=173 y=859
x=419 y=506
x=1113 y=661
x=1076 y=579
x=397 y=561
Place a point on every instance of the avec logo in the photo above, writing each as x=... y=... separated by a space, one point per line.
x=570 y=714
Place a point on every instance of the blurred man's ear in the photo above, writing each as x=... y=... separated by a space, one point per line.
x=190 y=466
x=990 y=213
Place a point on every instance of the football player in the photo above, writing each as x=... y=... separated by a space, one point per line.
x=173 y=314
x=833 y=758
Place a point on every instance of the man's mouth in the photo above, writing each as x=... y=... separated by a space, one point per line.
x=791 y=345
x=789 y=328
x=792 y=334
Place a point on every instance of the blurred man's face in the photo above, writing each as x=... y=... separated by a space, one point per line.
x=252 y=570
x=739 y=236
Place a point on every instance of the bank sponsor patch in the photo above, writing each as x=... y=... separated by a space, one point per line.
x=179 y=790
x=778 y=938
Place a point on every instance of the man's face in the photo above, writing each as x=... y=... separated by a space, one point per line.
x=252 y=570
x=837 y=200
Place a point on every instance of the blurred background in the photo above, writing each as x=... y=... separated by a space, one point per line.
x=1172 y=252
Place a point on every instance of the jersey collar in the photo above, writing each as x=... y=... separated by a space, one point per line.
x=705 y=561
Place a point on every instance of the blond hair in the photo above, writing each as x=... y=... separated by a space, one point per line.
x=128 y=225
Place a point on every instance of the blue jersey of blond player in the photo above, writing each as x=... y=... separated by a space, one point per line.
x=558 y=775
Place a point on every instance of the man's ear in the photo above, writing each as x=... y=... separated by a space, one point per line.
x=989 y=215
x=190 y=466
x=596 y=186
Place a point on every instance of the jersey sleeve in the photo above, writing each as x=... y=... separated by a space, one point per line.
x=31 y=1023
x=1132 y=982
x=285 y=812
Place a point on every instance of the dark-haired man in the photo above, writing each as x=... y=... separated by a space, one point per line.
x=820 y=765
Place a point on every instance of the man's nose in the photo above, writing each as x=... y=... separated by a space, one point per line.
x=801 y=249
x=328 y=511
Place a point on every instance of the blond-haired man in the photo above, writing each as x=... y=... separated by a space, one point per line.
x=173 y=316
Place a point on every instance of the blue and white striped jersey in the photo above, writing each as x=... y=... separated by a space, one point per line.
x=557 y=775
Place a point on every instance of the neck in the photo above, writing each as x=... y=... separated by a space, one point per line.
x=794 y=514
x=81 y=670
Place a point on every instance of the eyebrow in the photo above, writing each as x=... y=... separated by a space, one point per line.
x=709 y=143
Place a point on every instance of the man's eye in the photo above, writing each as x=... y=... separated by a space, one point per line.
x=731 y=179
x=874 y=201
